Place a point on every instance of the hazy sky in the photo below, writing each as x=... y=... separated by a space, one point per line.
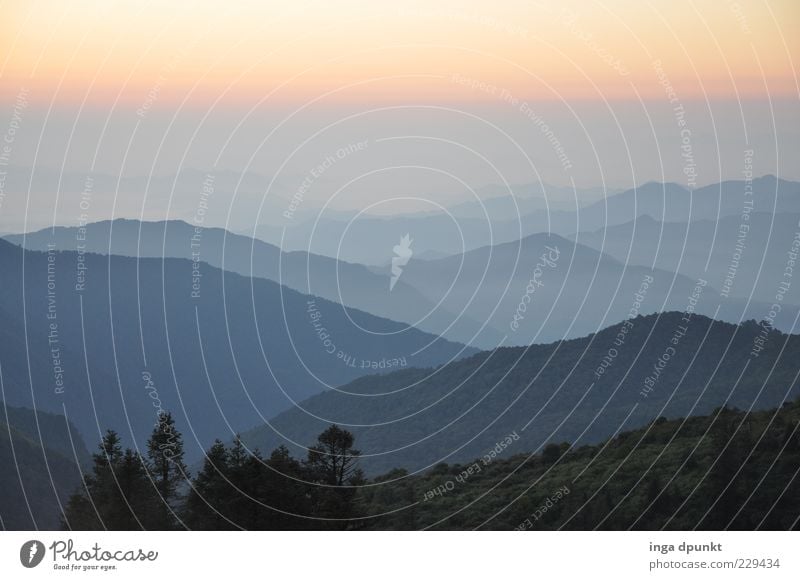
x=411 y=98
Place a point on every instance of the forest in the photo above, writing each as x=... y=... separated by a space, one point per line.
x=731 y=469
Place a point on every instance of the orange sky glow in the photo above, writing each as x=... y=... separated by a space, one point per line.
x=357 y=50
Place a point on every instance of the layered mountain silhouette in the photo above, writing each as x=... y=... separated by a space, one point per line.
x=447 y=296
x=109 y=324
x=743 y=255
x=545 y=287
x=352 y=285
x=505 y=219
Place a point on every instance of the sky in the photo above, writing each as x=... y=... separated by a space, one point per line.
x=409 y=99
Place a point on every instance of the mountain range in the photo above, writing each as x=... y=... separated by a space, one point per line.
x=744 y=255
x=448 y=296
x=591 y=321
x=368 y=239
x=113 y=339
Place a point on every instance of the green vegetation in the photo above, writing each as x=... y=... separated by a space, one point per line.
x=730 y=469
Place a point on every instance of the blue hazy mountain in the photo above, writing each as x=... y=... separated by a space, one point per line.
x=741 y=255
x=416 y=418
x=368 y=239
x=220 y=350
x=446 y=296
x=674 y=203
x=545 y=287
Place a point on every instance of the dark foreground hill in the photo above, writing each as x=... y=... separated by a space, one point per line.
x=40 y=459
x=581 y=391
x=730 y=470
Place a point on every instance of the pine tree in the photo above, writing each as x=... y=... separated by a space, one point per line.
x=103 y=503
x=333 y=460
x=206 y=502
x=167 y=471
x=242 y=483
x=332 y=465
x=284 y=488
x=132 y=485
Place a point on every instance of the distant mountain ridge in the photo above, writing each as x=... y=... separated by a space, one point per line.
x=740 y=254
x=575 y=290
x=352 y=285
x=449 y=234
x=472 y=298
